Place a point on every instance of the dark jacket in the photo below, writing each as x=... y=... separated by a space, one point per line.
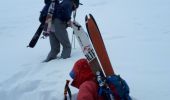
x=62 y=10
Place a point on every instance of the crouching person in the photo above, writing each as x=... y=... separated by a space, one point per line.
x=89 y=89
x=85 y=81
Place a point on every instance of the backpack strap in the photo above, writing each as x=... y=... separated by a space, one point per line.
x=103 y=87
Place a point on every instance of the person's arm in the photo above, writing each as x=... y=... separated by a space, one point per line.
x=67 y=10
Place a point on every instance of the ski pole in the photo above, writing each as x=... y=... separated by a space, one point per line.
x=67 y=89
x=73 y=36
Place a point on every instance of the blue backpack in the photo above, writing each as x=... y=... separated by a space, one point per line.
x=113 y=88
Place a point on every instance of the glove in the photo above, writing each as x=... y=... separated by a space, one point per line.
x=69 y=23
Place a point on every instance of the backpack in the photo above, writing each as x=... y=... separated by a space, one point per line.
x=116 y=87
x=76 y=4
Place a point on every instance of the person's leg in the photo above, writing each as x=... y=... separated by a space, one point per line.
x=66 y=46
x=55 y=47
x=62 y=36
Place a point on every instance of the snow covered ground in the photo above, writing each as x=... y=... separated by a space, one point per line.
x=136 y=34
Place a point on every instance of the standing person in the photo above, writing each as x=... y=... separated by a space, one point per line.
x=61 y=20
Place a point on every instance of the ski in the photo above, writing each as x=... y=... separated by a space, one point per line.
x=86 y=46
x=90 y=54
x=48 y=21
x=99 y=47
x=44 y=27
x=36 y=36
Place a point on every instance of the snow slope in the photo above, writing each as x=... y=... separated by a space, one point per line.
x=136 y=34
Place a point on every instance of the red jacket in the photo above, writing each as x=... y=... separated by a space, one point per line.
x=89 y=91
x=83 y=79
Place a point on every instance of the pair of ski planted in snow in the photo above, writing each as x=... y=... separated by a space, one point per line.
x=94 y=50
x=93 y=46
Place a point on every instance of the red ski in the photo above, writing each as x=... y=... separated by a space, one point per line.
x=98 y=45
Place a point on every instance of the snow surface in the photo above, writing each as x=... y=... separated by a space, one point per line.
x=136 y=34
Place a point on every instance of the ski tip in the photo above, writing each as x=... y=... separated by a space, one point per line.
x=90 y=15
x=92 y=18
x=86 y=19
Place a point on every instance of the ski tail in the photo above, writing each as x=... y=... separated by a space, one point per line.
x=36 y=36
x=98 y=44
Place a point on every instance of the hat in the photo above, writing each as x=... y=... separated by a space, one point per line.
x=81 y=72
